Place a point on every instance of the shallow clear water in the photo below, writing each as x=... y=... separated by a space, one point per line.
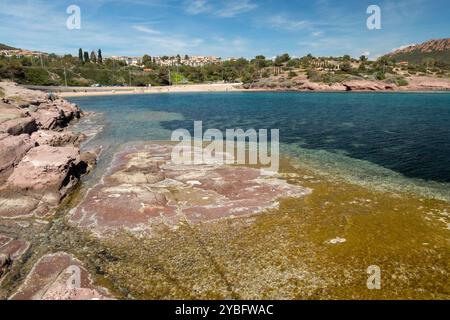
x=395 y=138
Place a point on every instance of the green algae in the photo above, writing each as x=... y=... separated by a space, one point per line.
x=284 y=253
x=281 y=253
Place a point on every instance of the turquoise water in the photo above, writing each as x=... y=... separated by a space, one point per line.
x=381 y=138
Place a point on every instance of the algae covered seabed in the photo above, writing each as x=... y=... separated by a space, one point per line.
x=282 y=253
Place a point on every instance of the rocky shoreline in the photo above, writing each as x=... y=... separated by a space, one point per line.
x=415 y=84
x=298 y=84
x=40 y=165
x=46 y=226
x=41 y=160
x=151 y=229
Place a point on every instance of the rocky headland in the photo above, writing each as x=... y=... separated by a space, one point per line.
x=301 y=83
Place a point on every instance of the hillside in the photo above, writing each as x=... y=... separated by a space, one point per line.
x=5 y=47
x=439 y=50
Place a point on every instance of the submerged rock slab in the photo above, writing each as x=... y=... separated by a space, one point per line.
x=59 y=276
x=144 y=188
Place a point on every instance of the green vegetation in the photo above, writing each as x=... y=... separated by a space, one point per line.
x=438 y=58
x=90 y=68
x=292 y=74
x=398 y=80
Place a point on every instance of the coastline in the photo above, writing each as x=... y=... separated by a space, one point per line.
x=67 y=92
x=106 y=91
x=333 y=239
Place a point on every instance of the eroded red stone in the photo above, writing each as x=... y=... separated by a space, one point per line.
x=59 y=276
x=143 y=187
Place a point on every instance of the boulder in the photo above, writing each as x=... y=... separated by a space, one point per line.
x=60 y=276
x=19 y=126
x=47 y=168
x=9 y=112
x=56 y=139
x=13 y=149
x=49 y=119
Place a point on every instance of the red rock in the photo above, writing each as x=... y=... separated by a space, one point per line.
x=13 y=149
x=10 y=250
x=19 y=126
x=14 y=248
x=37 y=185
x=49 y=119
x=427 y=83
x=59 y=276
x=45 y=168
x=144 y=188
x=366 y=85
x=36 y=178
x=56 y=139
x=16 y=204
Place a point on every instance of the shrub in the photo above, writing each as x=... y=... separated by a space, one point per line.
x=38 y=77
x=402 y=82
x=313 y=75
x=380 y=76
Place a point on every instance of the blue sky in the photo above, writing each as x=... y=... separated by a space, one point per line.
x=225 y=28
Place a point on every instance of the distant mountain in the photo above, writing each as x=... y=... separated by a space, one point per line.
x=439 y=50
x=5 y=47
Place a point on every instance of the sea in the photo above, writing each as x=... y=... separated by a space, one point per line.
x=389 y=141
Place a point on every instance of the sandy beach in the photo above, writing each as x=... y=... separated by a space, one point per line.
x=416 y=84
x=101 y=91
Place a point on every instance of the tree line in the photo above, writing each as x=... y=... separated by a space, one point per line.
x=85 y=57
x=91 y=68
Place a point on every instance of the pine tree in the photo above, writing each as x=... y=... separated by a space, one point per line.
x=93 y=57
x=99 y=56
x=86 y=56
x=80 y=55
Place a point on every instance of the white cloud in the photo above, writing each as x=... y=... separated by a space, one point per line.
x=234 y=8
x=145 y=29
x=229 y=9
x=317 y=33
x=282 y=22
x=197 y=6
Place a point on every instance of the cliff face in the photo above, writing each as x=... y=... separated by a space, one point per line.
x=439 y=50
